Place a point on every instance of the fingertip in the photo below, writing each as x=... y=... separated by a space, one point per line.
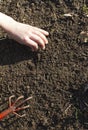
x=46 y=41
x=35 y=47
x=43 y=48
x=31 y=44
x=42 y=31
x=47 y=33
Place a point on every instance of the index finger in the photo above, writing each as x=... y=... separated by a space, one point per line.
x=42 y=31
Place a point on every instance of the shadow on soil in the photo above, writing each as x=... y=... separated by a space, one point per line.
x=12 y=52
x=79 y=100
x=8 y=122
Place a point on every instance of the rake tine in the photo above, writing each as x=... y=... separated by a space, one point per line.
x=10 y=100
x=23 y=101
x=19 y=115
x=18 y=99
x=22 y=108
x=27 y=99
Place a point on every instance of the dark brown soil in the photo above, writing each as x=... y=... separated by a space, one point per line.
x=55 y=77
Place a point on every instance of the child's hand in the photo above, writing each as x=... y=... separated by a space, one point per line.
x=23 y=33
x=28 y=35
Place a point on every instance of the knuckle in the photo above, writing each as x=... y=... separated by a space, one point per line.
x=25 y=38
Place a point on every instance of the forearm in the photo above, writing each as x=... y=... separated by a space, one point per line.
x=6 y=21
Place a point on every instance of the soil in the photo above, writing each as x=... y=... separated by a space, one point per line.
x=57 y=77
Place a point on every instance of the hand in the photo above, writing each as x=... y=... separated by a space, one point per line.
x=24 y=33
x=29 y=35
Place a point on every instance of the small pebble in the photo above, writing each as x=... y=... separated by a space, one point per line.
x=68 y=15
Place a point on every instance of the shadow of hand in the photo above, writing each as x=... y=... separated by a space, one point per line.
x=12 y=52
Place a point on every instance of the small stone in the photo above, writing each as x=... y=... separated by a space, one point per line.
x=68 y=15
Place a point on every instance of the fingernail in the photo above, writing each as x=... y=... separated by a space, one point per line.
x=46 y=41
x=47 y=33
x=44 y=48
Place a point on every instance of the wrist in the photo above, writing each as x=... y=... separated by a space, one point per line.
x=5 y=21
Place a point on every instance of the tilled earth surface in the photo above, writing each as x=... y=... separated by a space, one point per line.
x=57 y=77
